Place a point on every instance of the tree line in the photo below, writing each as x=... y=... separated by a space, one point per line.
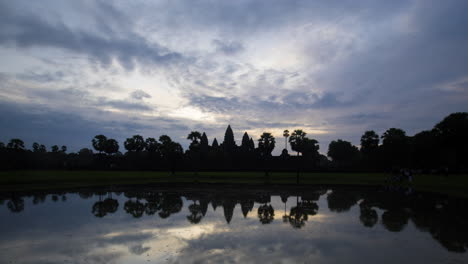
x=444 y=147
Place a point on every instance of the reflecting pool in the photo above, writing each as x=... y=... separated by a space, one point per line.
x=232 y=224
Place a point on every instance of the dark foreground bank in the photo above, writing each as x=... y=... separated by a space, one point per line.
x=456 y=184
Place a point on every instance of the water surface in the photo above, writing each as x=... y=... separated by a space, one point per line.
x=232 y=224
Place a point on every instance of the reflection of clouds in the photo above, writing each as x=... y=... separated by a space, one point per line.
x=327 y=237
x=138 y=249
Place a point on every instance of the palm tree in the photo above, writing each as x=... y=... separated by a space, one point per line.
x=297 y=139
x=99 y=143
x=135 y=144
x=286 y=135
x=111 y=146
x=194 y=150
x=266 y=144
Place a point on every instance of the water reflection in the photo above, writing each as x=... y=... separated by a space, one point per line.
x=444 y=218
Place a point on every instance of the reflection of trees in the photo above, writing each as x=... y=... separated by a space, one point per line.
x=135 y=208
x=443 y=217
x=153 y=203
x=16 y=204
x=39 y=198
x=111 y=205
x=341 y=200
x=196 y=214
x=102 y=208
x=284 y=199
x=395 y=220
x=266 y=213
x=299 y=213
x=170 y=204
x=368 y=216
x=297 y=217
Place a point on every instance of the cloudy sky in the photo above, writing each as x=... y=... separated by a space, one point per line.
x=72 y=69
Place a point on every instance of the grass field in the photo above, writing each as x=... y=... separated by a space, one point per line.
x=30 y=180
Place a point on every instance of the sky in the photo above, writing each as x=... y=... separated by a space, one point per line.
x=70 y=70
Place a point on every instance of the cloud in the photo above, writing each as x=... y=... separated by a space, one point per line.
x=124 y=104
x=228 y=48
x=334 y=66
x=27 y=30
x=139 y=95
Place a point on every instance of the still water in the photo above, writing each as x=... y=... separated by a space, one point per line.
x=232 y=224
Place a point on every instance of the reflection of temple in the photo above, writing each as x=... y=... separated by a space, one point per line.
x=444 y=218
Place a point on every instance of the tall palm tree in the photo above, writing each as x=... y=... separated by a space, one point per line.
x=266 y=144
x=286 y=135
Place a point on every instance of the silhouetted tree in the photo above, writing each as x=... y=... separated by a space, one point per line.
x=152 y=145
x=296 y=140
x=135 y=144
x=310 y=148
x=369 y=142
x=204 y=144
x=195 y=137
x=395 y=146
x=85 y=151
x=99 y=143
x=453 y=131
x=286 y=135
x=37 y=148
x=16 y=144
x=63 y=149
x=170 y=150
x=266 y=144
x=342 y=151
x=426 y=150
x=54 y=149
x=111 y=146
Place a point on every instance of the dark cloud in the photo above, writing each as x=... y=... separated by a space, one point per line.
x=252 y=16
x=124 y=104
x=30 y=30
x=139 y=94
x=363 y=64
x=228 y=47
x=41 y=77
